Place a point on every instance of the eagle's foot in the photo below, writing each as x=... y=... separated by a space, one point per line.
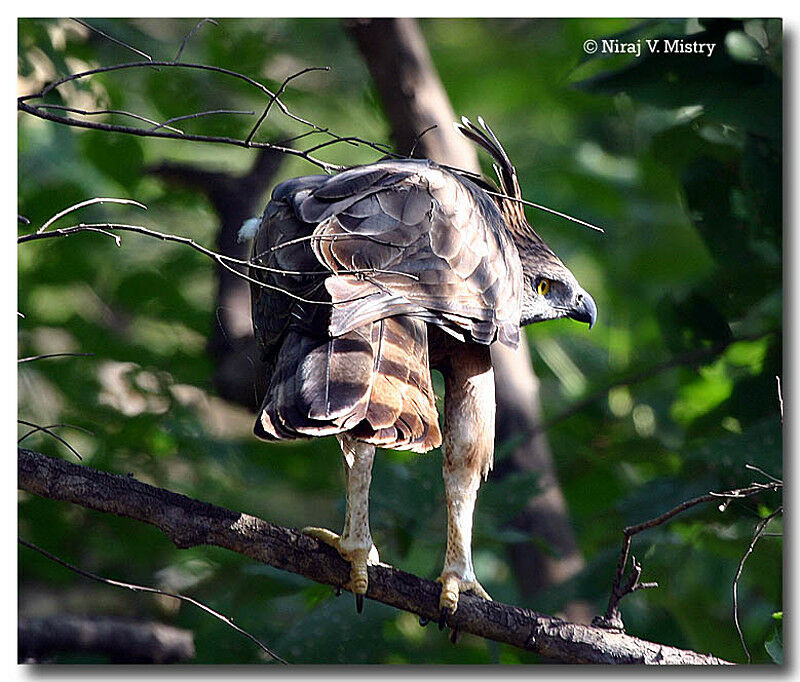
x=358 y=559
x=452 y=586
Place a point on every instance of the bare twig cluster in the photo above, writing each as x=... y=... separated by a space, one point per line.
x=624 y=585
x=31 y=104
x=226 y=262
x=34 y=105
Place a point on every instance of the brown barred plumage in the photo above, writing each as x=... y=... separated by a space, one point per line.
x=370 y=278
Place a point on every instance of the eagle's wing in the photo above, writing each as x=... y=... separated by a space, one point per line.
x=359 y=264
x=411 y=238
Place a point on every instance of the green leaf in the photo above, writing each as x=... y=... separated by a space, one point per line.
x=774 y=647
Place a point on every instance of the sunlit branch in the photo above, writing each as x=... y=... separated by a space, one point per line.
x=31 y=358
x=189 y=523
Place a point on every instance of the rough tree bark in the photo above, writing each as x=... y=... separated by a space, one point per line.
x=188 y=522
x=414 y=99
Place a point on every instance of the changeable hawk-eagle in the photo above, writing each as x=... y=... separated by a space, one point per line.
x=371 y=278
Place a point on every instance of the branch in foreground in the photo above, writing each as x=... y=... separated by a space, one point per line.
x=40 y=110
x=222 y=260
x=188 y=522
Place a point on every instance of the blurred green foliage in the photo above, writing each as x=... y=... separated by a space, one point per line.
x=679 y=157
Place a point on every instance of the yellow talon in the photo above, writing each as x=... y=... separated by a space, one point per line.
x=358 y=575
x=324 y=535
x=452 y=587
x=358 y=559
x=449 y=597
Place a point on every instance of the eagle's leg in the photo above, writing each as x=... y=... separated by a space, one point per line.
x=355 y=543
x=468 y=449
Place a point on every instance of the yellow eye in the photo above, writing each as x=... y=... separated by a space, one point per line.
x=543 y=287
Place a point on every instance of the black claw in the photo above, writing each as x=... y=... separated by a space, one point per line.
x=359 y=603
x=455 y=635
x=442 y=618
x=424 y=621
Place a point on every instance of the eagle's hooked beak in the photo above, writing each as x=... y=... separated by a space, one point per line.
x=584 y=309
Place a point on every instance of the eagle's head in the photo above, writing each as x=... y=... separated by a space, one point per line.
x=550 y=290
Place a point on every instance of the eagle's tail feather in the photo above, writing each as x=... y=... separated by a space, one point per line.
x=373 y=382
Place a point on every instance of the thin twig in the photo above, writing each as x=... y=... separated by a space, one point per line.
x=377 y=146
x=84 y=112
x=49 y=432
x=541 y=207
x=198 y=114
x=780 y=397
x=190 y=34
x=153 y=590
x=753 y=467
x=758 y=533
x=31 y=358
x=419 y=137
x=277 y=94
x=612 y=619
x=322 y=237
x=112 y=38
x=88 y=202
x=37 y=429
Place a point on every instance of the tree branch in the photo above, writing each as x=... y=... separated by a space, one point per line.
x=612 y=618
x=188 y=522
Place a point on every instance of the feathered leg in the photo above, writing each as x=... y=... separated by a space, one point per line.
x=467 y=455
x=355 y=543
